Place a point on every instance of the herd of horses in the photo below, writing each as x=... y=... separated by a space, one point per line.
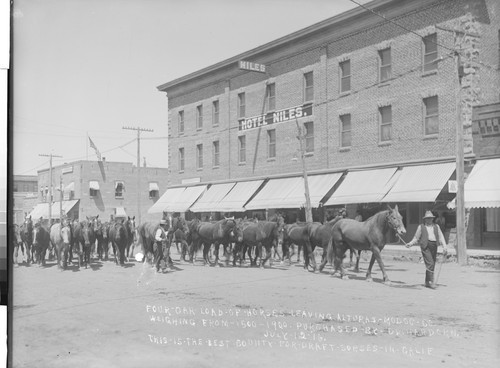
x=258 y=240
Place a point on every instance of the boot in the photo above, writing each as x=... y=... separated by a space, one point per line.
x=429 y=280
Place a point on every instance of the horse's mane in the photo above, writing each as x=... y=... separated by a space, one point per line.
x=377 y=217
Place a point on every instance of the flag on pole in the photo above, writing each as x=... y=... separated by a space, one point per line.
x=92 y=145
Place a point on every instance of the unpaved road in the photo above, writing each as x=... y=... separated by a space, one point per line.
x=195 y=316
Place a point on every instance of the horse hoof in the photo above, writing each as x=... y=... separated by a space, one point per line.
x=316 y=271
x=345 y=277
x=368 y=279
x=388 y=283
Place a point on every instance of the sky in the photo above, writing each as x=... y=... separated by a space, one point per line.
x=88 y=68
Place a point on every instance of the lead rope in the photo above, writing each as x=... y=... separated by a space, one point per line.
x=437 y=261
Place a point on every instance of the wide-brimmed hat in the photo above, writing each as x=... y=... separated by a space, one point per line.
x=163 y=222
x=428 y=214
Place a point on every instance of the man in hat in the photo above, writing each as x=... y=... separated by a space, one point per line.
x=160 y=239
x=429 y=236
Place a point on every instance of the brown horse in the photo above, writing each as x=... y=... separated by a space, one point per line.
x=179 y=233
x=368 y=235
x=258 y=234
x=18 y=242
x=206 y=233
x=298 y=234
x=41 y=242
x=319 y=236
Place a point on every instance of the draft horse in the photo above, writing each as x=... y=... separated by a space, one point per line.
x=60 y=238
x=371 y=234
x=207 y=233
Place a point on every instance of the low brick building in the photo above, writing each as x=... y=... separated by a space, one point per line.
x=91 y=188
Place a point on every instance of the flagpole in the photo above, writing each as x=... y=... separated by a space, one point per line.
x=87 y=147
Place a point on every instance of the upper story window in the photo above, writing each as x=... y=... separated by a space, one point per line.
x=309 y=137
x=154 y=190
x=430 y=52
x=385 y=61
x=180 y=121
x=181 y=159
x=308 y=87
x=242 y=149
x=241 y=105
x=199 y=117
x=385 y=118
x=215 y=113
x=431 y=115
x=215 y=154
x=345 y=76
x=271 y=96
x=93 y=188
x=271 y=143
x=199 y=156
x=345 y=131
x=119 y=189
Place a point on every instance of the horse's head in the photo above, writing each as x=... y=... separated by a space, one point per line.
x=130 y=225
x=395 y=220
x=180 y=224
x=86 y=229
x=237 y=231
x=37 y=233
x=66 y=233
x=28 y=222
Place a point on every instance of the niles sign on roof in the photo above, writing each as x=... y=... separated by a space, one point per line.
x=254 y=67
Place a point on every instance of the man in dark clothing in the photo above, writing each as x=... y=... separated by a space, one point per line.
x=429 y=236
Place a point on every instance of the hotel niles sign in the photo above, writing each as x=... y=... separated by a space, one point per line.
x=275 y=117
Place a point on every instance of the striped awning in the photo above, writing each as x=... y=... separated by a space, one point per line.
x=482 y=187
x=235 y=200
x=319 y=186
x=421 y=183
x=177 y=199
x=367 y=186
x=210 y=199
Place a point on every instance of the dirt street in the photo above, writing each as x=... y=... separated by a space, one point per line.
x=195 y=316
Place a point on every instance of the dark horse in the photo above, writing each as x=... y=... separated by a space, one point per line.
x=85 y=238
x=298 y=233
x=41 y=242
x=120 y=233
x=130 y=225
x=27 y=238
x=101 y=234
x=319 y=236
x=258 y=234
x=368 y=235
x=206 y=233
x=179 y=233
x=60 y=237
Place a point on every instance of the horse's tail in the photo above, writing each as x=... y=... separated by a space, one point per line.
x=330 y=251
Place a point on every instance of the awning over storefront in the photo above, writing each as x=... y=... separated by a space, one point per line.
x=211 y=198
x=40 y=210
x=368 y=186
x=238 y=196
x=319 y=185
x=94 y=185
x=70 y=187
x=177 y=199
x=166 y=200
x=66 y=207
x=421 y=183
x=482 y=187
x=274 y=193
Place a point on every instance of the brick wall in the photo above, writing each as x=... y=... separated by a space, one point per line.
x=404 y=93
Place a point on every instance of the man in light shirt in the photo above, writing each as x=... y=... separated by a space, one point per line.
x=160 y=239
x=429 y=236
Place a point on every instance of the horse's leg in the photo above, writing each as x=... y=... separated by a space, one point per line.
x=339 y=250
x=268 y=255
x=216 y=246
x=312 y=258
x=324 y=259
x=376 y=255
x=358 y=257
x=16 y=252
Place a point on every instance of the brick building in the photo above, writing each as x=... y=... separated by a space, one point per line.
x=24 y=192
x=91 y=188
x=375 y=101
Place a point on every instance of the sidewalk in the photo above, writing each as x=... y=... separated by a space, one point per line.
x=399 y=250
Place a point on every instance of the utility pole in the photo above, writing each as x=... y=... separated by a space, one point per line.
x=300 y=137
x=50 y=181
x=60 y=200
x=139 y=130
x=461 y=241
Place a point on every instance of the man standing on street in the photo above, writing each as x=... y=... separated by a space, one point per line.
x=429 y=236
x=160 y=240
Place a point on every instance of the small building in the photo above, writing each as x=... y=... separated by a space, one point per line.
x=24 y=189
x=91 y=188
